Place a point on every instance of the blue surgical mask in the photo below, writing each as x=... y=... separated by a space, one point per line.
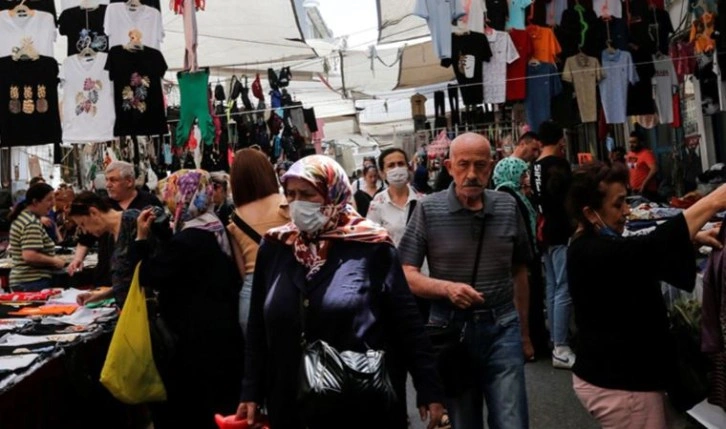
x=605 y=230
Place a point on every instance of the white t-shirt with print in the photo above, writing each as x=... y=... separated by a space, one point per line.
x=88 y=110
x=495 y=71
x=120 y=20
x=40 y=27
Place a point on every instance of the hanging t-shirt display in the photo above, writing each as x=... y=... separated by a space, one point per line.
x=84 y=29
x=68 y=4
x=579 y=29
x=474 y=18
x=545 y=46
x=120 y=21
x=516 y=14
x=29 y=102
x=640 y=94
x=619 y=71
x=517 y=70
x=661 y=28
x=495 y=71
x=39 y=27
x=138 y=96
x=497 y=12
x=608 y=8
x=584 y=73
x=555 y=9
x=543 y=84
x=88 y=111
x=36 y=5
x=439 y=14
x=156 y=4
x=469 y=52
x=665 y=83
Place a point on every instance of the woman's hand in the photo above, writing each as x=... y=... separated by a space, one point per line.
x=93 y=296
x=708 y=238
x=434 y=412
x=247 y=410
x=75 y=266
x=143 y=224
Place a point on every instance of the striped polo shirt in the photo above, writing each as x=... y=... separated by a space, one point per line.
x=447 y=233
x=27 y=233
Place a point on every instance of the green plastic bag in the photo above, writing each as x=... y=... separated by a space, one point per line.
x=129 y=371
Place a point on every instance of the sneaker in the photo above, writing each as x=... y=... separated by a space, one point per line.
x=563 y=357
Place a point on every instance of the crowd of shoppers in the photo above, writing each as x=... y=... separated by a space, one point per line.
x=300 y=254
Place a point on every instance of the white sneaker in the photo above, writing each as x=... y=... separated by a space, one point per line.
x=563 y=357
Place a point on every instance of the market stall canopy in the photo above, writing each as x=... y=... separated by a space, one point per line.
x=232 y=33
x=411 y=66
x=238 y=33
x=397 y=23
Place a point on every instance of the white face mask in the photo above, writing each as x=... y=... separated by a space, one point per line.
x=397 y=176
x=307 y=216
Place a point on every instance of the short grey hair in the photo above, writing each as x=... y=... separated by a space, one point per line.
x=125 y=169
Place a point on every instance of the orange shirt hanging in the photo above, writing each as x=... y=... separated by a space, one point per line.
x=544 y=43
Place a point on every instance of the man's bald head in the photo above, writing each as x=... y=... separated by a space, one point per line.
x=470 y=165
x=470 y=141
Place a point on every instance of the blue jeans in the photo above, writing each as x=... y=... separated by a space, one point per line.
x=495 y=349
x=559 y=303
x=245 y=294
x=34 y=286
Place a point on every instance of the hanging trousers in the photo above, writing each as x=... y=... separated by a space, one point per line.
x=454 y=104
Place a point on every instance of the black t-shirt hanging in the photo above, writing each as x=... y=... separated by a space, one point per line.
x=41 y=5
x=468 y=51
x=84 y=28
x=156 y=4
x=497 y=11
x=29 y=102
x=661 y=25
x=138 y=96
x=570 y=33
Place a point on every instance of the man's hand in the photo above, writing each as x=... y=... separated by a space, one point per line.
x=463 y=296
x=45 y=220
x=59 y=262
x=434 y=412
x=527 y=348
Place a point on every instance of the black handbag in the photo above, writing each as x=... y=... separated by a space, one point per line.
x=452 y=355
x=333 y=380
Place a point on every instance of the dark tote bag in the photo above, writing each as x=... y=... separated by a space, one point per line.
x=452 y=355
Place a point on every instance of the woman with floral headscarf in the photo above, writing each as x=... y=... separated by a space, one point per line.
x=511 y=175
x=346 y=272
x=197 y=285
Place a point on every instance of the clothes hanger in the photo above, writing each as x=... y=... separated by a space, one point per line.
x=21 y=11
x=132 y=5
x=87 y=52
x=26 y=51
x=609 y=41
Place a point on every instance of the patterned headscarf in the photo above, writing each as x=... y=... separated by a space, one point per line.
x=508 y=174
x=188 y=195
x=331 y=181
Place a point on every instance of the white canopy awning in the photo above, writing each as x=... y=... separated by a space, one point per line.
x=397 y=23
x=410 y=66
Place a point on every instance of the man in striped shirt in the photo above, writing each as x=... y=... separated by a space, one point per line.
x=488 y=297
